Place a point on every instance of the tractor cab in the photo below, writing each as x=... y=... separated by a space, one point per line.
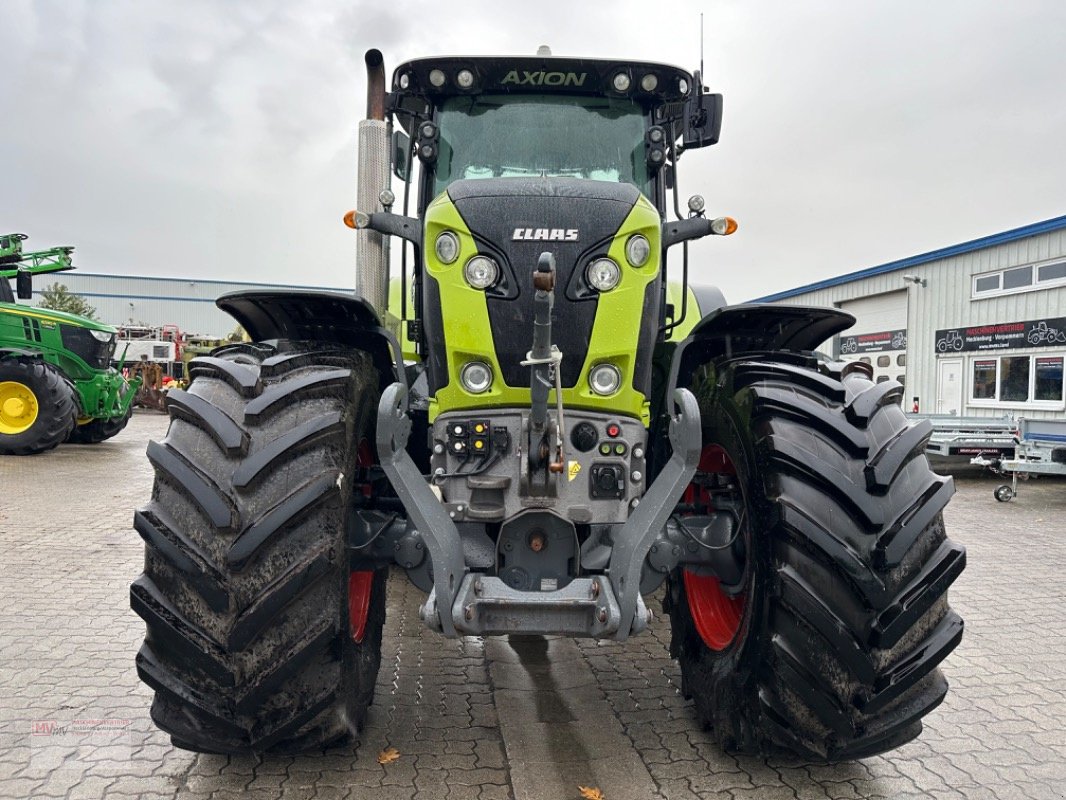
x=476 y=118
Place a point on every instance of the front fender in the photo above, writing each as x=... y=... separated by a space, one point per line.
x=753 y=327
x=321 y=317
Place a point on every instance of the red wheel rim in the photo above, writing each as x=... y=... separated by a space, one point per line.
x=717 y=615
x=359 y=586
x=360 y=583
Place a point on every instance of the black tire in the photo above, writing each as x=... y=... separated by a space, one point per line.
x=1004 y=493
x=33 y=383
x=845 y=614
x=245 y=585
x=99 y=430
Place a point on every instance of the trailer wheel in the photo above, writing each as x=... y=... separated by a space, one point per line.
x=829 y=644
x=1004 y=493
x=37 y=407
x=99 y=430
x=259 y=635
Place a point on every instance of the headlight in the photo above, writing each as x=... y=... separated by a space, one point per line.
x=476 y=377
x=605 y=379
x=603 y=274
x=447 y=247
x=637 y=250
x=481 y=272
x=101 y=336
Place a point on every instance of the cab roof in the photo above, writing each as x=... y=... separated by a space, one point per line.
x=430 y=80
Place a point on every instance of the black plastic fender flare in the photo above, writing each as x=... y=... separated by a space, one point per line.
x=753 y=327
x=346 y=320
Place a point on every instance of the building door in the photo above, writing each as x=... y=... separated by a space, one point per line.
x=879 y=336
x=949 y=386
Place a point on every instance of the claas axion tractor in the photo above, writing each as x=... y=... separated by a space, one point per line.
x=542 y=431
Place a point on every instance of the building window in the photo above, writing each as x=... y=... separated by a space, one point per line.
x=884 y=361
x=1048 y=379
x=901 y=360
x=984 y=379
x=1017 y=380
x=1014 y=379
x=1020 y=279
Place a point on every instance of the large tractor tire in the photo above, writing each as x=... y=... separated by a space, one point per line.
x=829 y=644
x=99 y=430
x=260 y=636
x=37 y=407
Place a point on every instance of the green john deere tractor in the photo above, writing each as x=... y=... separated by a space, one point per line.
x=541 y=431
x=56 y=379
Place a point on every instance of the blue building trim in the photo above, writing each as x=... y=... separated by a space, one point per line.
x=1048 y=225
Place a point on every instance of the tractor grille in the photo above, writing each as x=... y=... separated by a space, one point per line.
x=83 y=344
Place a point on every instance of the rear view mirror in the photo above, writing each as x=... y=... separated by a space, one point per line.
x=401 y=152
x=703 y=119
x=24 y=285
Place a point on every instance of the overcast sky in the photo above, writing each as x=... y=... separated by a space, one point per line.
x=212 y=139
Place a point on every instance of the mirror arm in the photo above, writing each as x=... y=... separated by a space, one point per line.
x=684 y=230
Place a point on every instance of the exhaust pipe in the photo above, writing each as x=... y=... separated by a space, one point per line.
x=371 y=248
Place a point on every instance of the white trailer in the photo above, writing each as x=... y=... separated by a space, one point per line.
x=1041 y=450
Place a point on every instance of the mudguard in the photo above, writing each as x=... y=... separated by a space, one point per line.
x=753 y=327
x=318 y=316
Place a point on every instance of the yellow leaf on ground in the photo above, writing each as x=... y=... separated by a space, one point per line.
x=388 y=755
x=591 y=793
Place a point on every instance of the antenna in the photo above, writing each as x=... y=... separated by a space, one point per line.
x=700 y=45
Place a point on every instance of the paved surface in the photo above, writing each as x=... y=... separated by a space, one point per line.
x=499 y=718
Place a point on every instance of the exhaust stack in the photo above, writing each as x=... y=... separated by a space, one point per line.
x=371 y=251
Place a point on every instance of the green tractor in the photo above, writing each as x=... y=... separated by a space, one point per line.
x=56 y=379
x=542 y=431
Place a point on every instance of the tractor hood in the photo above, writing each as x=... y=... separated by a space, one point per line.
x=48 y=315
x=513 y=221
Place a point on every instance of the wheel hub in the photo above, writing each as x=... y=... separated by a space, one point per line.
x=18 y=407
x=716 y=615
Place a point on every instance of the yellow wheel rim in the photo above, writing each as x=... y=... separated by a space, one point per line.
x=18 y=407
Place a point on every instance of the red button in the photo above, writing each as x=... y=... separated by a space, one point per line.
x=613 y=430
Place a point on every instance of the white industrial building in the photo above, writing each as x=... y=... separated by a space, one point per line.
x=188 y=303
x=976 y=329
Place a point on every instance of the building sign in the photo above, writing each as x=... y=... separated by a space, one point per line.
x=1049 y=332
x=873 y=342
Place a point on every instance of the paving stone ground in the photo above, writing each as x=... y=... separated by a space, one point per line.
x=518 y=717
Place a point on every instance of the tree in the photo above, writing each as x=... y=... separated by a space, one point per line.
x=58 y=297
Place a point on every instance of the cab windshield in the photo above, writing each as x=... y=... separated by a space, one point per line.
x=506 y=136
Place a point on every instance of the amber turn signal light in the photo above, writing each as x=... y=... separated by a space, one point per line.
x=723 y=226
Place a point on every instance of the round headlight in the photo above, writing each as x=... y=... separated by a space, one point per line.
x=605 y=379
x=649 y=82
x=481 y=272
x=621 y=82
x=637 y=250
x=405 y=81
x=476 y=377
x=447 y=247
x=465 y=78
x=603 y=274
x=682 y=86
x=436 y=77
x=101 y=336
